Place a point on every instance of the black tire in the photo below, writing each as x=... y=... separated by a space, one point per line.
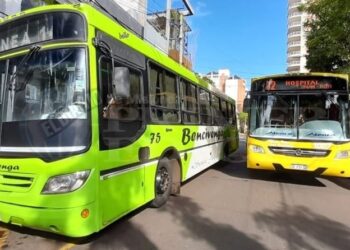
x=227 y=150
x=162 y=183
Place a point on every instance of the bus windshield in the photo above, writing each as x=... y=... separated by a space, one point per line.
x=322 y=117
x=43 y=99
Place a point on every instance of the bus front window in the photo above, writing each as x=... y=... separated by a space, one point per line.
x=274 y=116
x=50 y=85
x=323 y=117
x=44 y=100
x=302 y=117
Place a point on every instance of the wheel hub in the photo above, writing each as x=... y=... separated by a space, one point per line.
x=162 y=180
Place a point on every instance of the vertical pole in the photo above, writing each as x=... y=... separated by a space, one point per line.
x=168 y=17
x=181 y=37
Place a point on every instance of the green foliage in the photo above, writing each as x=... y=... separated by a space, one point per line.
x=243 y=117
x=205 y=78
x=328 y=40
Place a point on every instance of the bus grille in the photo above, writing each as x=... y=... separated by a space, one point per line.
x=10 y=182
x=299 y=152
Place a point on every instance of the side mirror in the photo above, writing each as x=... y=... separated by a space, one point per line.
x=121 y=83
x=246 y=105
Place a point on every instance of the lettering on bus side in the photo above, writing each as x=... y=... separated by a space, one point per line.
x=188 y=136
x=9 y=168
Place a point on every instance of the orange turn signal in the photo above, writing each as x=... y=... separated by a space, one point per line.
x=85 y=213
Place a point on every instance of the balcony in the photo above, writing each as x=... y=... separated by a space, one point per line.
x=294 y=34
x=294 y=63
x=296 y=53
x=294 y=44
x=294 y=5
x=294 y=24
x=295 y=14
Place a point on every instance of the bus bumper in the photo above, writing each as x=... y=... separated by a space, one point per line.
x=68 y=222
x=328 y=166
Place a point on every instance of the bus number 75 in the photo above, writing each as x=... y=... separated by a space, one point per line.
x=155 y=138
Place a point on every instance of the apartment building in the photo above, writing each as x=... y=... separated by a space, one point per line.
x=233 y=86
x=296 y=52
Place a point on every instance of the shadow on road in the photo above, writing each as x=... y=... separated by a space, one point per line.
x=341 y=182
x=240 y=171
x=300 y=227
x=122 y=235
x=199 y=227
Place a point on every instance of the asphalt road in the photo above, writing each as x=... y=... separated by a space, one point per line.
x=225 y=207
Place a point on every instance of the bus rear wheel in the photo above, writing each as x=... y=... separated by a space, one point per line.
x=163 y=183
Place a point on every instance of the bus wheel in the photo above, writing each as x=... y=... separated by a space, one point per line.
x=163 y=183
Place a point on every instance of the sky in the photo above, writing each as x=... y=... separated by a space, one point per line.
x=248 y=37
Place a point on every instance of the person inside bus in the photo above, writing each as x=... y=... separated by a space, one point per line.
x=307 y=114
x=114 y=109
x=334 y=109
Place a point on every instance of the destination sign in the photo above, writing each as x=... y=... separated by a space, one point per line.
x=41 y=28
x=300 y=83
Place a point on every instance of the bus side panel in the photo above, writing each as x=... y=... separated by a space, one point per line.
x=121 y=193
x=150 y=174
x=202 y=158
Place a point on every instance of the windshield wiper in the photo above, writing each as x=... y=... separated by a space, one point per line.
x=12 y=82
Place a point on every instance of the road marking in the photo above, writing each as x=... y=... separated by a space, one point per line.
x=3 y=237
x=67 y=246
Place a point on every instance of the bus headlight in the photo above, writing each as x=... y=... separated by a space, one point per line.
x=257 y=149
x=343 y=155
x=65 y=183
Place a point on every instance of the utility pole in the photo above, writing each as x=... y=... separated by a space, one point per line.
x=181 y=37
x=168 y=17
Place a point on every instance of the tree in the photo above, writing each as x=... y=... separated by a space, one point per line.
x=328 y=40
x=242 y=118
x=205 y=78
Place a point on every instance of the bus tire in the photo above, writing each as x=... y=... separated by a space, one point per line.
x=163 y=183
x=226 y=150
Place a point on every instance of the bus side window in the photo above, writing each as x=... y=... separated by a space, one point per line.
x=163 y=95
x=233 y=118
x=224 y=111
x=234 y=115
x=229 y=113
x=189 y=102
x=123 y=109
x=216 y=110
x=120 y=120
x=205 y=113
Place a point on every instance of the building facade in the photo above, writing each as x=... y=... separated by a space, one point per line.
x=233 y=86
x=296 y=48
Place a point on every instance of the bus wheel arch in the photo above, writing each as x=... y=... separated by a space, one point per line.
x=176 y=167
x=167 y=178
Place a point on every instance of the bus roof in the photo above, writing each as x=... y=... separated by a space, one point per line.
x=111 y=27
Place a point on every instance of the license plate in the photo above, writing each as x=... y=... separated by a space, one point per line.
x=299 y=167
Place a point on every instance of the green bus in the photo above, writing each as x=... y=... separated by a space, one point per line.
x=96 y=122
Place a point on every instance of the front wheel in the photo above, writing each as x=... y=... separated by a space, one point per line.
x=163 y=183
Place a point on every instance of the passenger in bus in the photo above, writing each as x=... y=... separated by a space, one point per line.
x=334 y=109
x=121 y=109
x=307 y=114
x=115 y=109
